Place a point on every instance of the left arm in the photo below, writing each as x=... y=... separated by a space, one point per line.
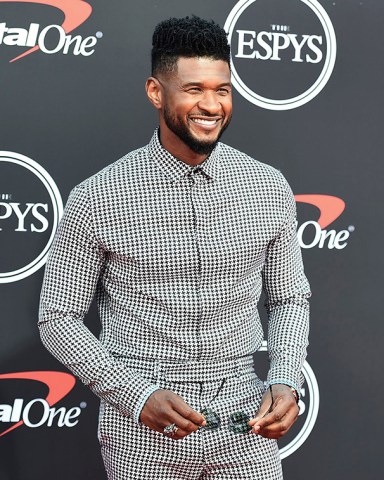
x=287 y=291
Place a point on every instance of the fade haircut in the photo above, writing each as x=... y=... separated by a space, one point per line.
x=187 y=37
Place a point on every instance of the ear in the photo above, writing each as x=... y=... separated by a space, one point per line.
x=154 y=93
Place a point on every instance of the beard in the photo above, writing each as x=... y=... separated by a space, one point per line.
x=180 y=129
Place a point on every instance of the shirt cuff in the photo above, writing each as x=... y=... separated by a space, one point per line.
x=283 y=381
x=141 y=403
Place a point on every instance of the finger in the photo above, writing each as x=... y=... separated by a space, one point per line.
x=272 y=435
x=179 y=434
x=279 y=407
x=265 y=407
x=188 y=413
x=183 y=423
x=278 y=425
x=278 y=410
x=176 y=433
x=276 y=431
x=262 y=413
x=183 y=427
x=275 y=415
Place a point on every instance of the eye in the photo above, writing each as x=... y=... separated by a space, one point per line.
x=194 y=90
x=223 y=91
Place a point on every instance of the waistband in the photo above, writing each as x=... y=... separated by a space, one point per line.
x=190 y=370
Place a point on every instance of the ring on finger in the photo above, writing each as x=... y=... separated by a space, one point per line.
x=171 y=429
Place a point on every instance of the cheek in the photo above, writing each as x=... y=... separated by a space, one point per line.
x=181 y=104
x=227 y=106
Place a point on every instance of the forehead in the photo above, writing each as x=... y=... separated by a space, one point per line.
x=202 y=70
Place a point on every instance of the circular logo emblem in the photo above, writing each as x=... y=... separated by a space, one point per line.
x=309 y=409
x=30 y=210
x=283 y=53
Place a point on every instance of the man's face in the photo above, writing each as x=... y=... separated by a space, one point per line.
x=196 y=104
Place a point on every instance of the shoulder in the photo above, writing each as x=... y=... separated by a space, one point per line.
x=131 y=164
x=242 y=165
x=111 y=183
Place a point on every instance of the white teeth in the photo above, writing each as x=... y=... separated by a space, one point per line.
x=203 y=121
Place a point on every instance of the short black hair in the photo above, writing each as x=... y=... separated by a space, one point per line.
x=187 y=37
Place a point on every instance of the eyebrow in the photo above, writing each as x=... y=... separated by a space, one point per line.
x=201 y=84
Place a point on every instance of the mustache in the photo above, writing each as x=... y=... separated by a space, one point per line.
x=205 y=114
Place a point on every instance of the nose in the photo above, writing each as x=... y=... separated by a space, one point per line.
x=209 y=103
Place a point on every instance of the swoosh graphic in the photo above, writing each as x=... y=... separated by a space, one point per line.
x=75 y=12
x=59 y=385
x=330 y=207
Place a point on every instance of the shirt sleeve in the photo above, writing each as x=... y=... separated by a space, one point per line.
x=287 y=292
x=71 y=277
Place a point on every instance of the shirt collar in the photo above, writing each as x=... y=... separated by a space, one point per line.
x=177 y=169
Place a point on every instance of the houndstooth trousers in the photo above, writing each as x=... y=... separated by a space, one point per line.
x=132 y=451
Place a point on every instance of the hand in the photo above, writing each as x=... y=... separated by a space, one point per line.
x=164 y=407
x=275 y=418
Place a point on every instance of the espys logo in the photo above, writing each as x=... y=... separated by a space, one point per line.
x=52 y=39
x=30 y=210
x=313 y=233
x=283 y=53
x=40 y=411
x=309 y=408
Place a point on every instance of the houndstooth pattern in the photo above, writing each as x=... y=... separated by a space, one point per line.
x=218 y=454
x=177 y=256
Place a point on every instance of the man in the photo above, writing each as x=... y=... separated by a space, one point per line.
x=177 y=239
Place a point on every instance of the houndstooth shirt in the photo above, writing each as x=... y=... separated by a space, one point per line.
x=177 y=256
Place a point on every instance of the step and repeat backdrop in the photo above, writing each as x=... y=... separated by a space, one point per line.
x=308 y=99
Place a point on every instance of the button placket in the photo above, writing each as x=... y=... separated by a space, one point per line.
x=193 y=189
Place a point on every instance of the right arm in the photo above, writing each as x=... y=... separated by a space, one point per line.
x=72 y=272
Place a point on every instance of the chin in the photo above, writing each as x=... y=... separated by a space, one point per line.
x=202 y=148
x=209 y=139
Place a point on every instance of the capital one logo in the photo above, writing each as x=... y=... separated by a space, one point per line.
x=40 y=411
x=313 y=233
x=30 y=210
x=51 y=39
x=283 y=52
x=309 y=408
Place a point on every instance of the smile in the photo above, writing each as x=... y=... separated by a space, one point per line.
x=205 y=122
